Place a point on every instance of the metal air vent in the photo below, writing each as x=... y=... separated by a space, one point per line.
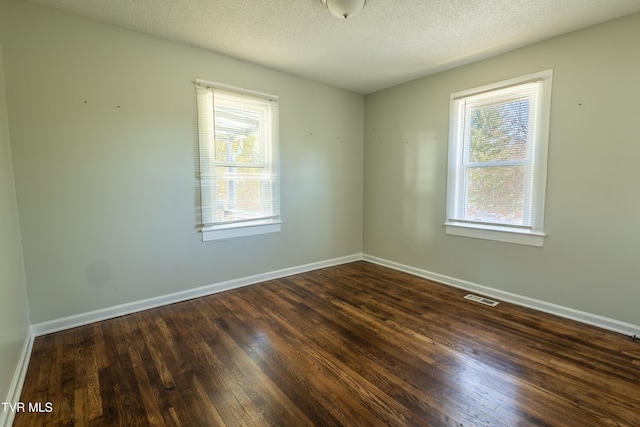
x=481 y=300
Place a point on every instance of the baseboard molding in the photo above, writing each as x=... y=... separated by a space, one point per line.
x=15 y=388
x=133 y=307
x=558 y=310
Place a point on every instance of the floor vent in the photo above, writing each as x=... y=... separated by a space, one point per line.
x=481 y=300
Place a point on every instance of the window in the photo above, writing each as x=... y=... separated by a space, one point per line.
x=498 y=141
x=239 y=179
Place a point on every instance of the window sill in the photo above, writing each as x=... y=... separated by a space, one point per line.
x=223 y=232
x=500 y=234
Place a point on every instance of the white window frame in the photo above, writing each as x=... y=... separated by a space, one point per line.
x=532 y=232
x=266 y=105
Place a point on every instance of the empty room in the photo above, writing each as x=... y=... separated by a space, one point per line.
x=328 y=213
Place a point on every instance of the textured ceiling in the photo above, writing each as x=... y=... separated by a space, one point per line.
x=389 y=42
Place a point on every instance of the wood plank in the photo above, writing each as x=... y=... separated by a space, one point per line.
x=351 y=345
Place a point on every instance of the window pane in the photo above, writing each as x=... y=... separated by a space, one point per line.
x=242 y=193
x=237 y=135
x=498 y=132
x=244 y=150
x=496 y=194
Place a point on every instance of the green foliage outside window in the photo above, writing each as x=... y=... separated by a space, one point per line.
x=497 y=147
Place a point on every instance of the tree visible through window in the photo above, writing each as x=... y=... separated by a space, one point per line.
x=496 y=163
x=497 y=156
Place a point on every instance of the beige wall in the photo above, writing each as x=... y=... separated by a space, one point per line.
x=14 y=315
x=589 y=261
x=103 y=134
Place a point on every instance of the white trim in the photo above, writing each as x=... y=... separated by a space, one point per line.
x=207 y=83
x=546 y=307
x=504 y=84
x=539 y=96
x=214 y=226
x=249 y=229
x=69 y=322
x=500 y=234
x=15 y=388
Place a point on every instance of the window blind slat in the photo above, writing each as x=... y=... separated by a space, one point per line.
x=239 y=177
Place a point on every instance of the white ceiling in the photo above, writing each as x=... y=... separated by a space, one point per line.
x=389 y=42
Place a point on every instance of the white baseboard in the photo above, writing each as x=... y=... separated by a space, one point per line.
x=133 y=307
x=15 y=388
x=558 y=310
x=120 y=310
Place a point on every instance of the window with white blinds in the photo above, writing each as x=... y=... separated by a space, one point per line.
x=497 y=160
x=239 y=176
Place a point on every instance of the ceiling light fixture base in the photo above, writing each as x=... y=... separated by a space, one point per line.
x=344 y=9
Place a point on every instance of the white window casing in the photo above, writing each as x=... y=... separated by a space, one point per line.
x=238 y=155
x=498 y=142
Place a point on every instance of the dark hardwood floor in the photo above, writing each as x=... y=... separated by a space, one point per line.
x=353 y=345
